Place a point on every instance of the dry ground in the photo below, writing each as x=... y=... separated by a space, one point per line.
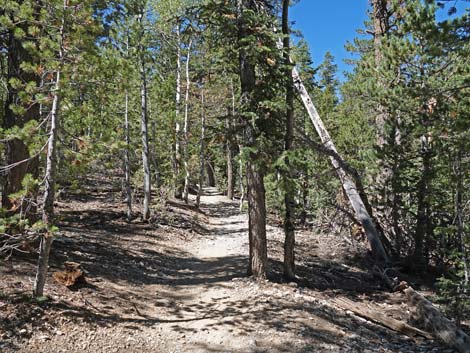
x=178 y=284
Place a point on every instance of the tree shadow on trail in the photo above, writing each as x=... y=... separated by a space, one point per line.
x=137 y=280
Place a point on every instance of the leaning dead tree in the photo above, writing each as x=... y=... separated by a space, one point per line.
x=347 y=181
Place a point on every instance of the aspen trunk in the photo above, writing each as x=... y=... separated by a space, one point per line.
x=349 y=186
x=186 y=127
x=144 y=133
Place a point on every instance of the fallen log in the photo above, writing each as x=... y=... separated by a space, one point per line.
x=434 y=321
x=381 y=319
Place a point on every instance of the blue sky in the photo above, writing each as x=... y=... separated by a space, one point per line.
x=328 y=24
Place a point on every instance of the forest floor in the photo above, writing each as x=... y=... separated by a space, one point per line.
x=179 y=284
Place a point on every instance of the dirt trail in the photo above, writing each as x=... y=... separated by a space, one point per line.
x=180 y=286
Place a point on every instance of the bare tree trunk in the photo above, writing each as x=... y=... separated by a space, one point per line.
x=229 y=146
x=49 y=193
x=201 y=149
x=177 y=166
x=127 y=166
x=186 y=127
x=210 y=173
x=349 y=186
x=49 y=190
x=289 y=230
x=229 y=157
x=144 y=132
x=255 y=178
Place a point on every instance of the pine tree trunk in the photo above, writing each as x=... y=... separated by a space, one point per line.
x=50 y=177
x=289 y=231
x=422 y=219
x=201 y=148
x=380 y=21
x=154 y=155
x=229 y=146
x=349 y=186
x=255 y=178
x=256 y=222
x=229 y=157
x=49 y=195
x=127 y=167
x=459 y=215
x=16 y=152
x=186 y=128
x=230 y=184
x=144 y=132
x=177 y=167
x=386 y=182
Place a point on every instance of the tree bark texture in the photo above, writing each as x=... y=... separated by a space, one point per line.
x=380 y=22
x=127 y=166
x=17 y=154
x=289 y=203
x=388 y=199
x=255 y=178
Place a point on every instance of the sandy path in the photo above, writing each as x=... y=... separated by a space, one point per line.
x=219 y=258
x=151 y=291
